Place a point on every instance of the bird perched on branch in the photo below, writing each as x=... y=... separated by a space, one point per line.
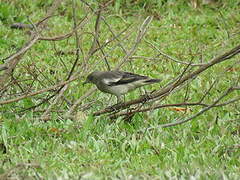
x=118 y=83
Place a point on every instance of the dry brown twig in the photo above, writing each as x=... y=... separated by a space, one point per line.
x=80 y=25
x=61 y=84
x=73 y=78
x=98 y=48
x=46 y=115
x=13 y=60
x=142 y=31
x=169 y=57
x=170 y=87
x=227 y=92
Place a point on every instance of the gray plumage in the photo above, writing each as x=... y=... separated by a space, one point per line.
x=118 y=82
x=21 y=26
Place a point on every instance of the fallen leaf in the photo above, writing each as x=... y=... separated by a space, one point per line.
x=55 y=130
x=179 y=109
x=232 y=69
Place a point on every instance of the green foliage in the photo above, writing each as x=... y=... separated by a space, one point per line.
x=100 y=148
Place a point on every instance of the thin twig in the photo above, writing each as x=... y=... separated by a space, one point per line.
x=171 y=58
x=201 y=112
x=141 y=32
x=74 y=77
x=170 y=87
x=14 y=59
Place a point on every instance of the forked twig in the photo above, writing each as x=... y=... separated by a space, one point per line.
x=231 y=89
x=170 y=87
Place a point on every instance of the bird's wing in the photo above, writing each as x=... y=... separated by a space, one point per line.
x=114 y=78
x=111 y=77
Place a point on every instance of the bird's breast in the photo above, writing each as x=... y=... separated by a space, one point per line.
x=115 y=90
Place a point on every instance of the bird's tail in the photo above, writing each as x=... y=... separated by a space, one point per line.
x=150 y=81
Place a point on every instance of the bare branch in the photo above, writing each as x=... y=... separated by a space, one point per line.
x=141 y=32
x=41 y=91
x=231 y=89
x=170 y=87
x=14 y=59
x=172 y=58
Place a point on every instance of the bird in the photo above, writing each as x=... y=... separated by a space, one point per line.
x=118 y=83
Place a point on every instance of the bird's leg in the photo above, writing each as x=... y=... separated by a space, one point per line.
x=124 y=98
x=145 y=91
x=120 y=100
x=109 y=100
x=146 y=96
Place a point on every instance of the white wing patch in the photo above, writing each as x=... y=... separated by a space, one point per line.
x=109 y=81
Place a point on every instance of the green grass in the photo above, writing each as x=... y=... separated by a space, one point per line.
x=101 y=148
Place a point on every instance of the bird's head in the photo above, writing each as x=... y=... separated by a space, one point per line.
x=91 y=78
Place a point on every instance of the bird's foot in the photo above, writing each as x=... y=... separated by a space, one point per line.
x=146 y=97
x=115 y=107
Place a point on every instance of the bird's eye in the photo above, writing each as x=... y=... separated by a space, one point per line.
x=90 y=78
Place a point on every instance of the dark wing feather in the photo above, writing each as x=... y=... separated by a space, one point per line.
x=127 y=77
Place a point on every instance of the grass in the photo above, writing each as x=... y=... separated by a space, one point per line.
x=100 y=148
